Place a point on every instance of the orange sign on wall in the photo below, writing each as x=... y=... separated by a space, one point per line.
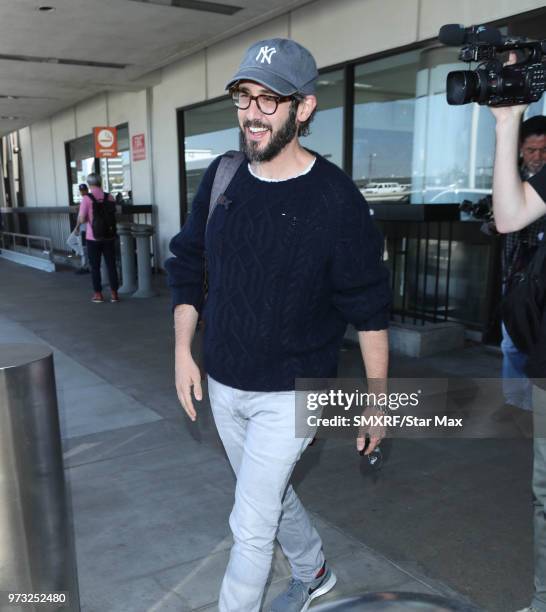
x=106 y=141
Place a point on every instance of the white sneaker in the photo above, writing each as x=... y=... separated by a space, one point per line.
x=529 y=609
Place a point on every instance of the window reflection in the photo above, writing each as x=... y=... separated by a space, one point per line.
x=326 y=135
x=81 y=161
x=453 y=145
x=409 y=145
x=384 y=111
x=210 y=130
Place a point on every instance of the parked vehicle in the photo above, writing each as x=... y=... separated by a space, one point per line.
x=382 y=188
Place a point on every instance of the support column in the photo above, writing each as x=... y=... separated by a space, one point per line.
x=142 y=234
x=127 y=249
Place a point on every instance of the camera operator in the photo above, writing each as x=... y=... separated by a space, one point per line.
x=518 y=249
x=516 y=204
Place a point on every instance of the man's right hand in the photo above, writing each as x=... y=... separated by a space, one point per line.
x=187 y=376
x=186 y=372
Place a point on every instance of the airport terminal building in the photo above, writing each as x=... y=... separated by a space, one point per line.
x=156 y=71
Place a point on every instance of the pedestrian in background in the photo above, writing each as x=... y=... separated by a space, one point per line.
x=84 y=266
x=97 y=211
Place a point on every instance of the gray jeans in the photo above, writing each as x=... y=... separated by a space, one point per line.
x=539 y=493
x=257 y=430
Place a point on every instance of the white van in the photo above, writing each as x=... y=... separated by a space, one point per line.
x=382 y=188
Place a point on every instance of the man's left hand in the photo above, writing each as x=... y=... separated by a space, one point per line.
x=376 y=433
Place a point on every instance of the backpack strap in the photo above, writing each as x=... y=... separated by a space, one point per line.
x=94 y=199
x=227 y=168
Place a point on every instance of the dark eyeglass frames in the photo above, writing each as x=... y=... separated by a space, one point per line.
x=266 y=103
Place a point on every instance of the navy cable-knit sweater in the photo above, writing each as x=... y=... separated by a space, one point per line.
x=289 y=264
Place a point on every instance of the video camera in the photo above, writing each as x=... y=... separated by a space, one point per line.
x=492 y=83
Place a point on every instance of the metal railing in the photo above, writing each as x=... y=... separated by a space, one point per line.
x=442 y=269
x=33 y=245
x=56 y=222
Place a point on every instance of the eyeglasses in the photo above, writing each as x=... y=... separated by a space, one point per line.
x=267 y=104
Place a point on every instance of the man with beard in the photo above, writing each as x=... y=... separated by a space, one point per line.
x=292 y=256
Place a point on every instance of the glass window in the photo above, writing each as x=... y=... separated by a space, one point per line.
x=81 y=161
x=209 y=130
x=326 y=135
x=409 y=144
x=384 y=93
x=453 y=146
x=115 y=172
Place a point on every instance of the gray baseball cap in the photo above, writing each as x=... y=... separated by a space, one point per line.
x=279 y=64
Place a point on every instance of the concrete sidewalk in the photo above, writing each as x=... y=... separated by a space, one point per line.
x=151 y=492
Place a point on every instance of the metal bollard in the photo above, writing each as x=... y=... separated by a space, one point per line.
x=127 y=248
x=395 y=602
x=36 y=536
x=142 y=234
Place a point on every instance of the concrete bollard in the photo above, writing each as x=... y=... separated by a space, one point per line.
x=36 y=533
x=127 y=249
x=142 y=234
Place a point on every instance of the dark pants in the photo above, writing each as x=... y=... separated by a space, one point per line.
x=106 y=248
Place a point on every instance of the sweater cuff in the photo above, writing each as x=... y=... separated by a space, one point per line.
x=378 y=322
x=193 y=296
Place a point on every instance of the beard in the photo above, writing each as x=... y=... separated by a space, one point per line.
x=278 y=140
x=535 y=167
x=529 y=169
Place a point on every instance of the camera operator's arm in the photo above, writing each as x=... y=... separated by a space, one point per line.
x=515 y=203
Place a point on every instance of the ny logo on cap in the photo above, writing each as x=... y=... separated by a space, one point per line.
x=265 y=54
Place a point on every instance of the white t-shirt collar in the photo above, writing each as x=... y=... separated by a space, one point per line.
x=272 y=180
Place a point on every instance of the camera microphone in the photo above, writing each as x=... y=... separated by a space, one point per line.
x=454 y=35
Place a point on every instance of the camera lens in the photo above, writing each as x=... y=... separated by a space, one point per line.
x=462 y=87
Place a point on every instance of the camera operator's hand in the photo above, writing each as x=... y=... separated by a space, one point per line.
x=509 y=113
